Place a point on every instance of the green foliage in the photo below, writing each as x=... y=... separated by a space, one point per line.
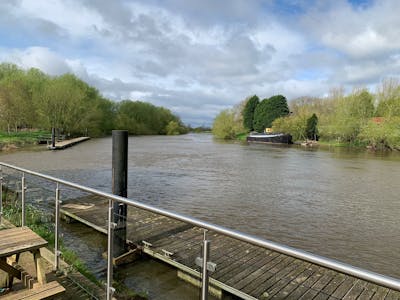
x=385 y=135
x=172 y=128
x=141 y=118
x=32 y=99
x=311 y=128
x=389 y=99
x=248 y=112
x=227 y=125
x=268 y=110
x=350 y=114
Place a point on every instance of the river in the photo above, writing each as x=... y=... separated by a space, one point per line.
x=339 y=203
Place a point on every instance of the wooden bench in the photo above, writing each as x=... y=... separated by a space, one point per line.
x=44 y=291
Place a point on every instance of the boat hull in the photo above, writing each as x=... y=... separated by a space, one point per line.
x=270 y=139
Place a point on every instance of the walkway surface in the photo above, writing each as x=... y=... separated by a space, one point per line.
x=68 y=143
x=245 y=270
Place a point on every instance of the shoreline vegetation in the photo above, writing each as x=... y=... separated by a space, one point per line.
x=360 y=119
x=32 y=101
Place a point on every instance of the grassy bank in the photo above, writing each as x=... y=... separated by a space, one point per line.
x=19 y=139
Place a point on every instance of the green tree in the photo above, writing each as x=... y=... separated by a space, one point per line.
x=388 y=98
x=224 y=125
x=248 y=112
x=312 y=129
x=351 y=114
x=268 y=110
x=384 y=135
x=173 y=128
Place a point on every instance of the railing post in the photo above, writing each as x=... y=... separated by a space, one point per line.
x=206 y=250
x=23 y=199
x=110 y=230
x=1 y=195
x=57 y=229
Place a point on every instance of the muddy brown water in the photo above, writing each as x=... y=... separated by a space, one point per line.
x=339 y=203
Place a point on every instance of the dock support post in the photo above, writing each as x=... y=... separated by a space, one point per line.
x=119 y=187
x=57 y=230
x=204 y=286
x=23 y=200
x=53 y=137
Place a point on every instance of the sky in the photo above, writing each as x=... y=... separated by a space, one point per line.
x=198 y=57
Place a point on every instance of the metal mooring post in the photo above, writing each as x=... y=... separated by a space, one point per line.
x=53 y=137
x=23 y=199
x=57 y=229
x=204 y=286
x=119 y=187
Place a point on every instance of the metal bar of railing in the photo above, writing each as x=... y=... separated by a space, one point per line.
x=204 y=279
x=57 y=229
x=379 y=279
x=23 y=200
x=110 y=254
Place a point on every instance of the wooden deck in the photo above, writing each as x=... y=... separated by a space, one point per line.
x=68 y=143
x=244 y=270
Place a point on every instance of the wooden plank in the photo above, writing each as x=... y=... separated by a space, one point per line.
x=243 y=278
x=235 y=258
x=380 y=293
x=348 y=285
x=24 y=239
x=9 y=269
x=266 y=265
x=279 y=276
x=40 y=267
x=40 y=292
x=368 y=292
x=280 y=284
x=393 y=295
x=297 y=282
x=334 y=284
x=318 y=286
x=253 y=280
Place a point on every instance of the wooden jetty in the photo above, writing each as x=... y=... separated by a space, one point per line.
x=242 y=269
x=68 y=143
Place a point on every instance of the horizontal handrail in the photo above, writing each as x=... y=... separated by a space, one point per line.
x=373 y=277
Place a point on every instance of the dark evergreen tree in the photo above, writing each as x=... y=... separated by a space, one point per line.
x=268 y=110
x=311 y=129
x=248 y=112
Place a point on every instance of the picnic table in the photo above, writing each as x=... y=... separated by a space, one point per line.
x=13 y=242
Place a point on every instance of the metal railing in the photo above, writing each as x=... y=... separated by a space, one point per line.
x=373 y=277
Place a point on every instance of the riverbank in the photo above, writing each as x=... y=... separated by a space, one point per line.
x=241 y=137
x=20 y=139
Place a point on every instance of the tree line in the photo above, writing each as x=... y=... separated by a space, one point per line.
x=31 y=99
x=358 y=118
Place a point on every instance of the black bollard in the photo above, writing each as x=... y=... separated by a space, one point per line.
x=119 y=187
x=53 y=137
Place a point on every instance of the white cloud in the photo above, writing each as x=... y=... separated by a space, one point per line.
x=41 y=58
x=197 y=57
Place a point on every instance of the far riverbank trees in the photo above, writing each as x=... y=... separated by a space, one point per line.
x=34 y=100
x=360 y=118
